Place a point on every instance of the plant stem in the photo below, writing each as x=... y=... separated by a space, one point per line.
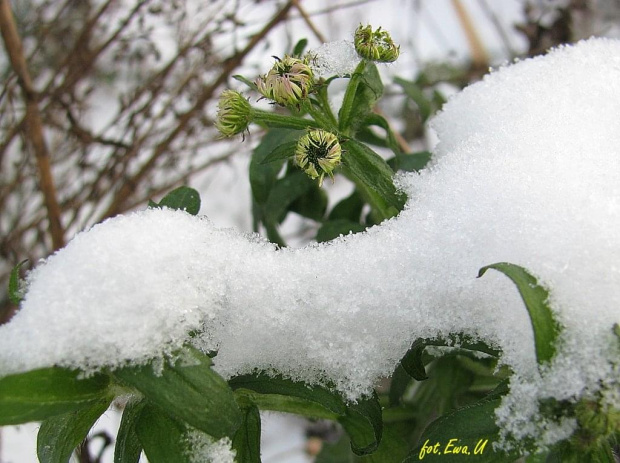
x=349 y=98
x=278 y=120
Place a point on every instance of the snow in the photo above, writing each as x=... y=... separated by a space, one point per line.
x=527 y=170
x=337 y=58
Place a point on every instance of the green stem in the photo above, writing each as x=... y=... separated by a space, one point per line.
x=322 y=120
x=349 y=98
x=270 y=119
x=324 y=102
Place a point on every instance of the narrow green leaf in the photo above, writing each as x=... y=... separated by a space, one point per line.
x=164 y=439
x=412 y=361
x=334 y=228
x=128 y=447
x=546 y=328
x=284 y=151
x=299 y=47
x=189 y=391
x=415 y=92
x=350 y=208
x=372 y=170
x=59 y=435
x=263 y=176
x=182 y=198
x=380 y=121
x=412 y=162
x=466 y=432
x=399 y=385
x=278 y=385
x=364 y=425
x=247 y=82
x=40 y=394
x=312 y=204
x=15 y=291
x=246 y=441
x=283 y=193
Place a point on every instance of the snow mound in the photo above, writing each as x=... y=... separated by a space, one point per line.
x=527 y=171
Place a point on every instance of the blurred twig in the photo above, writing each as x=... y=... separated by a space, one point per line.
x=34 y=125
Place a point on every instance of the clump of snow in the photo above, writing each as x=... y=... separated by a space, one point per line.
x=527 y=170
x=334 y=59
x=205 y=449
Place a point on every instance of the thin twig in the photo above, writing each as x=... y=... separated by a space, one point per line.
x=478 y=53
x=34 y=125
x=317 y=33
x=229 y=65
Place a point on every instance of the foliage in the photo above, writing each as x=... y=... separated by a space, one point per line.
x=436 y=408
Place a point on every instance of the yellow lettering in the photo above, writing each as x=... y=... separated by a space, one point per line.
x=449 y=445
x=480 y=446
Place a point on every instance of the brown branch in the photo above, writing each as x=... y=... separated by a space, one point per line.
x=34 y=125
x=317 y=33
x=479 y=55
x=229 y=65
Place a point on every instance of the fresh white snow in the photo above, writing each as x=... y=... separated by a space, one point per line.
x=527 y=170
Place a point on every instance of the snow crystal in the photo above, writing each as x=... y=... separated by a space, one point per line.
x=527 y=170
x=334 y=59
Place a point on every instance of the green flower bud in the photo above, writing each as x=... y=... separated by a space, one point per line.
x=375 y=45
x=318 y=153
x=288 y=82
x=233 y=113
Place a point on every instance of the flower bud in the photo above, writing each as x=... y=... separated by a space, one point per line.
x=375 y=45
x=288 y=82
x=233 y=113
x=318 y=153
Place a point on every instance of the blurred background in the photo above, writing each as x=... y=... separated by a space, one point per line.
x=106 y=104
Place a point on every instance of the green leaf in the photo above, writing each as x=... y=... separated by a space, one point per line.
x=413 y=362
x=284 y=192
x=182 y=198
x=284 y=151
x=392 y=450
x=59 y=435
x=546 y=328
x=467 y=431
x=299 y=47
x=40 y=394
x=334 y=228
x=350 y=208
x=363 y=423
x=380 y=121
x=15 y=292
x=415 y=92
x=263 y=176
x=373 y=172
x=246 y=441
x=329 y=403
x=189 y=391
x=413 y=162
x=164 y=439
x=128 y=447
x=399 y=385
x=312 y=204
x=247 y=82
x=363 y=91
